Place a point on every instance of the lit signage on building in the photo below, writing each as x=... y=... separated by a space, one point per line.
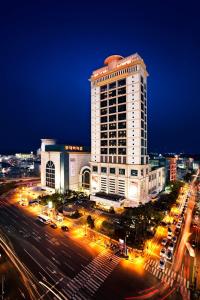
x=74 y=148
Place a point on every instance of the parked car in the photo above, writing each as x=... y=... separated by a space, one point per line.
x=162 y=263
x=164 y=242
x=64 y=228
x=163 y=252
x=178 y=225
x=169 y=255
x=171 y=246
x=53 y=225
x=174 y=239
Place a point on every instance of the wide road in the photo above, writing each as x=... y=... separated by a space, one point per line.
x=61 y=266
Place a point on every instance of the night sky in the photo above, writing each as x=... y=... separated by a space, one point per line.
x=48 y=50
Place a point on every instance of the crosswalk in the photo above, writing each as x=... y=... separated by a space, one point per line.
x=167 y=275
x=86 y=283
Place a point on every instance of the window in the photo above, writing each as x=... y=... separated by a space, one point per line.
x=50 y=174
x=103 y=88
x=112 y=93
x=142 y=79
x=86 y=179
x=104 y=143
x=122 y=125
x=112 y=126
x=121 y=142
x=142 y=172
x=112 y=151
x=94 y=169
x=112 y=143
x=122 y=91
x=122 y=117
x=142 y=124
x=142 y=160
x=122 y=133
x=104 y=111
x=122 y=108
x=122 y=82
x=121 y=171
x=142 y=89
x=103 y=96
x=112 y=118
x=142 y=115
x=104 y=127
x=112 y=85
x=142 y=106
x=112 y=101
x=134 y=172
x=112 y=134
x=112 y=110
x=103 y=119
x=103 y=169
x=122 y=151
x=104 y=135
x=104 y=151
x=112 y=170
x=122 y=99
x=104 y=103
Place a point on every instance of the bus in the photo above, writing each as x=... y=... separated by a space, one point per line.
x=44 y=219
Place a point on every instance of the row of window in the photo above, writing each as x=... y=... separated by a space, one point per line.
x=113 y=151
x=112 y=118
x=113 y=109
x=113 y=134
x=113 y=85
x=113 y=101
x=113 y=143
x=113 y=171
x=113 y=93
x=120 y=72
x=113 y=126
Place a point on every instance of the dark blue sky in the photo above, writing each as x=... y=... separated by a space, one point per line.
x=48 y=50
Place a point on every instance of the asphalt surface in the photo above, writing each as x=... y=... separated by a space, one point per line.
x=72 y=269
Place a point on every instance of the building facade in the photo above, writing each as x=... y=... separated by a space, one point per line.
x=119 y=159
x=64 y=167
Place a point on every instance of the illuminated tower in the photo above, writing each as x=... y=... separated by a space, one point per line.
x=119 y=160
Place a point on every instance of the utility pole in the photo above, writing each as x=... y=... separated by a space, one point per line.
x=2 y=287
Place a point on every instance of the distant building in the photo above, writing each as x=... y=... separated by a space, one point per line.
x=172 y=171
x=120 y=170
x=64 y=167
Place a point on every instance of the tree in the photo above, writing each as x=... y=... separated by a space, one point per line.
x=90 y=221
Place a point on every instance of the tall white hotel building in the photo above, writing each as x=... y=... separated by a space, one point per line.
x=120 y=173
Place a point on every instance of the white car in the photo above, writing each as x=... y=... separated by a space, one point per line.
x=162 y=263
x=174 y=239
x=178 y=225
x=164 y=242
x=169 y=255
x=171 y=246
x=163 y=252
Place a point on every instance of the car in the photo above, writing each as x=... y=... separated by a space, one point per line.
x=169 y=236
x=163 y=252
x=194 y=244
x=171 y=246
x=178 y=225
x=164 y=242
x=174 y=239
x=169 y=255
x=64 y=228
x=53 y=225
x=162 y=263
x=169 y=230
x=177 y=231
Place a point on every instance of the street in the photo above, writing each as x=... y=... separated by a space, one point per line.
x=65 y=266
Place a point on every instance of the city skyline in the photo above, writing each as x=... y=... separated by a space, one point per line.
x=44 y=76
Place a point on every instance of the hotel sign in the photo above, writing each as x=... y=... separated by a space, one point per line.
x=74 y=148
